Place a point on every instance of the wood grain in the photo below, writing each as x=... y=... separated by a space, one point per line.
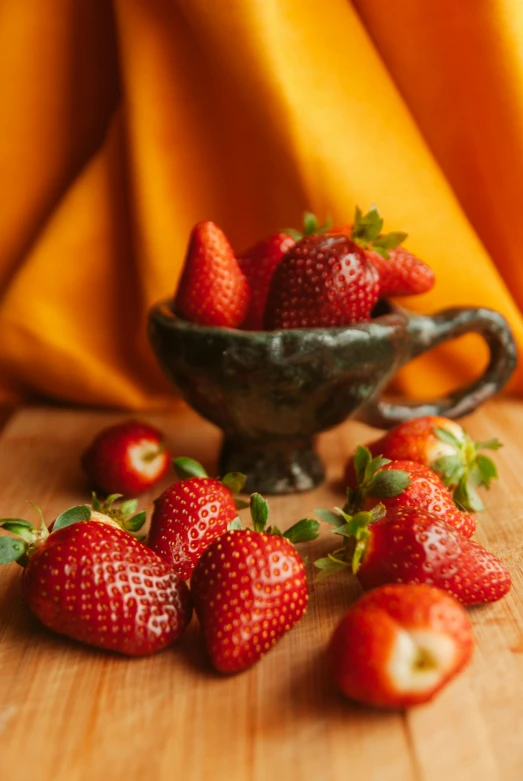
x=70 y=713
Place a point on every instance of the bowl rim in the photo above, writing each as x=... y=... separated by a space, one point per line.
x=163 y=311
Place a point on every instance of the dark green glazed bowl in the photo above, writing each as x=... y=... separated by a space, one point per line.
x=272 y=392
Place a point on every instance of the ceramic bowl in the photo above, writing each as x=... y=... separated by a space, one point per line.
x=272 y=392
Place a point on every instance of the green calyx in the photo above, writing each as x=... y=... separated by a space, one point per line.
x=373 y=483
x=466 y=469
x=125 y=515
x=29 y=537
x=302 y=531
x=355 y=530
x=311 y=226
x=366 y=232
x=186 y=468
x=352 y=522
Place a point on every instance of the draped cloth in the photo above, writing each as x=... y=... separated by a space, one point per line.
x=124 y=123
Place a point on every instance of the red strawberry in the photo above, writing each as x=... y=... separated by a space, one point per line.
x=399 y=645
x=410 y=545
x=190 y=514
x=97 y=584
x=258 y=264
x=323 y=281
x=398 y=484
x=127 y=458
x=212 y=289
x=401 y=273
x=445 y=447
x=249 y=588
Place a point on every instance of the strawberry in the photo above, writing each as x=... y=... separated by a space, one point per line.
x=190 y=514
x=249 y=588
x=97 y=584
x=212 y=288
x=258 y=264
x=400 y=272
x=398 y=484
x=444 y=446
x=399 y=645
x=127 y=458
x=410 y=545
x=323 y=281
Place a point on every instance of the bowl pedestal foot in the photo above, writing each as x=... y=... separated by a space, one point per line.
x=273 y=466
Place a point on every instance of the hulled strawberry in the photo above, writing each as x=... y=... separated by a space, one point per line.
x=398 y=484
x=127 y=458
x=249 y=588
x=212 y=289
x=323 y=281
x=444 y=446
x=97 y=584
x=410 y=545
x=258 y=264
x=400 y=272
x=191 y=513
x=399 y=645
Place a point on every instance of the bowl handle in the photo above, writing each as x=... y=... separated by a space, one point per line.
x=426 y=332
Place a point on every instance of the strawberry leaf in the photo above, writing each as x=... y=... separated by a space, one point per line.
x=466 y=496
x=303 y=531
x=188 y=467
x=344 y=531
x=310 y=223
x=234 y=525
x=450 y=468
x=11 y=549
x=389 y=483
x=96 y=504
x=110 y=500
x=19 y=526
x=241 y=504
x=356 y=525
x=372 y=468
x=367 y=226
x=135 y=522
x=390 y=240
x=128 y=507
x=446 y=436
x=74 y=515
x=334 y=519
x=259 y=512
x=234 y=481
x=330 y=565
x=484 y=472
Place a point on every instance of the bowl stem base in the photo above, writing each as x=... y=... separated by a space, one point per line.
x=275 y=466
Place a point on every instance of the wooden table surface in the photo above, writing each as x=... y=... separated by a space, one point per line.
x=71 y=713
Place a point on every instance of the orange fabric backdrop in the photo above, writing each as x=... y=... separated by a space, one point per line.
x=124 y=124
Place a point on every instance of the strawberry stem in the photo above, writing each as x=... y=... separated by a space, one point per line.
x=154 y=453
